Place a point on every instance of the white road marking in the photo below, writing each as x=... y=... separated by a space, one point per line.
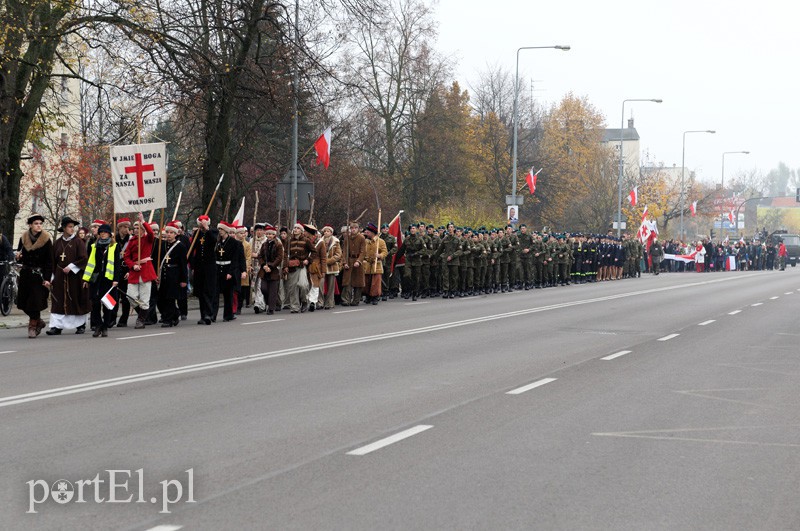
x=704 y=323
x=734 y=312
x=789 y=293
x=539 y=383
x=617 y=355
x=773 y=298
x=146 y=335
x=166 y=528
x=667 y=338
x=8 y=352
x=350 y=311
x=414 y=303
x=262 y=322
x=153 y=375
x=757 y=304
x=377 y=445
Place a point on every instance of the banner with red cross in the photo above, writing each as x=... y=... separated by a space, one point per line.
x=139 y=177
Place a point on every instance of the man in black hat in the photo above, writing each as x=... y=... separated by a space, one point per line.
x=102 y=273
x=69 y=298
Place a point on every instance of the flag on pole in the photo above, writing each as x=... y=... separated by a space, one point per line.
x=238 y=221
x=323 y=148
x=109 y=301
x=633 y=197
x=731 y=217
x=396 y=230
x=531 y=180
x=694 y=208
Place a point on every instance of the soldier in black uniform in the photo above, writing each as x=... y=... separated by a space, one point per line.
x=173 y=276
x=204 y=268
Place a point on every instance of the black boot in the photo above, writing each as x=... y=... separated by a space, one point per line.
x=53 y=332
x=142 y=315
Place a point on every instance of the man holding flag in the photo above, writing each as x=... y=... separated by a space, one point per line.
x=101 y=276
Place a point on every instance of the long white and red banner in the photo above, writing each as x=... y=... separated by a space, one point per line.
x=139 y=177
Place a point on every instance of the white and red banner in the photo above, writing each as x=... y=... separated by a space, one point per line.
x=531 y=180
x=396 y=230
x=693 y=208
x=633 y=197
x=731 y=217
x=323 y=148
x=139 y=177
x=238 y=220
x=109 y=301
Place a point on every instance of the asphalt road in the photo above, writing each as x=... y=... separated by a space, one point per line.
x=658 y=403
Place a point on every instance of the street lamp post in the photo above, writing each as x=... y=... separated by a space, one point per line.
x=514 y=117
x=621 y=160
x=683 y=168
x=722 y=184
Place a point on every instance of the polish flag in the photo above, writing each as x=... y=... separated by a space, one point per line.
x=730 y=217
x=633 y=197
x=694 y=208
x=323 y=148
x=238 y=221
x=109 y=301
x=531 y=180
x=396 y=230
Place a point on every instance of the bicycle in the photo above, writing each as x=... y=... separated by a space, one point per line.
x=8 y=287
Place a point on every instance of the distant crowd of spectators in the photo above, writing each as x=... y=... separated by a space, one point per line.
x=713 y=255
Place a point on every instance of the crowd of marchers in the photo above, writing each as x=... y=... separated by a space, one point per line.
x=103 y=277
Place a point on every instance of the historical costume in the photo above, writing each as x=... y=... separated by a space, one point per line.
x=300 y=253
x=241 y=294
x=373 y=263
x=270 y=260
x=355 y=246
x=173 y=276
x=69 y=297
x=203 y=263
x=259 y=304
x=138 y=259
x=35 y=253
x=227 y=253
x=332 y=261
x=102 y=273
x=316 y=268
x=123 y=308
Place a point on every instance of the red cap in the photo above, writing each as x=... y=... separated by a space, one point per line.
x=98 y=222
x=203 y=218
x=172 y=226
x=122 y=221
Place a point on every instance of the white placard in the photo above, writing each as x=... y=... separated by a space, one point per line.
x=139 y=177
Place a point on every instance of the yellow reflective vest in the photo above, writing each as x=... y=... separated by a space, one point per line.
x=87 y=273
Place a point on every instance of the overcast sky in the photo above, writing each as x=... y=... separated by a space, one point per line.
x=731 y=66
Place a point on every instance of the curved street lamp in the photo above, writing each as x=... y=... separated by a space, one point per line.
x=683 y=168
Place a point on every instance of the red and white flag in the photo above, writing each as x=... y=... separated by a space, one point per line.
x=531 y=180
x=694 y=208
x=109 y=301
x=323 y=148
x=731 y=217
x=238 y=221
x=396 y=230
x=633 y=197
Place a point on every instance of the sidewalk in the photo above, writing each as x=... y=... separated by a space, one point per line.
x=18 y=319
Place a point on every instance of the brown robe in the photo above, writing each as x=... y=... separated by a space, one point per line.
x=354 y=250
x=68 y=296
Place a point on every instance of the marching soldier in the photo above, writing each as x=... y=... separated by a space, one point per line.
x=450 y=251
x=270 y=260
x=391 y=250
x=373 y=263
x=413 y=247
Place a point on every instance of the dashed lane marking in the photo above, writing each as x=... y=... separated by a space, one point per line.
x=616 y=355
x=734 y=312
x=262 y=322
x=8 y=352
x=146 y=335
x=538 y=383
x=397 y=437
x=773 y=298
x=351 y=311
x=704 y=323
x=757 y=304
x=667 y=338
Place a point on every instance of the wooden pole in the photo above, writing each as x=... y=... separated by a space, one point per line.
x=311 y=213
x=208 y=209
x=253 y=261
x=160 y=243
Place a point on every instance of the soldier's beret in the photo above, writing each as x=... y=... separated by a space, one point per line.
x=385 y=226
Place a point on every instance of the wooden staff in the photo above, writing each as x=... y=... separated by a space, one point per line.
x=178 y=202
x=208 y=209
x=254 y=261
x=160 y=229
x=311 y=213
x=227 y=205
